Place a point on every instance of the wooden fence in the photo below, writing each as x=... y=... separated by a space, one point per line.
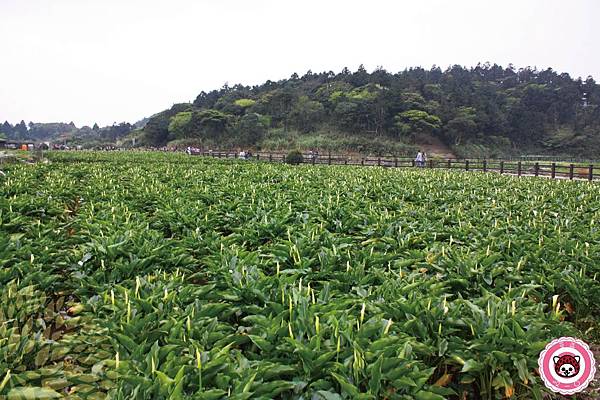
x=554 y=170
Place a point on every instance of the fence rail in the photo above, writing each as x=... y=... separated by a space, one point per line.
x=554 y=170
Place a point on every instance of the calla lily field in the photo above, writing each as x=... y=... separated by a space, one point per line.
x=167 y=276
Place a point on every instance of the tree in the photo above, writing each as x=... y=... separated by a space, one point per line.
x=180 y=125
x=306 y=114
x=346 y=114
x=115 y=132
x=21 y=130
x=413 y=101
x=381 y=77
x=7 y=129
x=276 y=103
x=156 y=131
x=463 y=125
x=413 y=122
x=251 y=128
x=207 y=100
x=479 y=105
x=211 y=123
x=95 y=127
x=360 y=77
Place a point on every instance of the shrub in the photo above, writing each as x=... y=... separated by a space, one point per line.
x=294 y=157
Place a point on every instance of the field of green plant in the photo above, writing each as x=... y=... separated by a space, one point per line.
x=164 y=276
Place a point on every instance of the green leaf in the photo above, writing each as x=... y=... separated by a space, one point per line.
x=472 y=366
x=375 y=381
x=42 y=356
x=346 y=386
x=442 y=347
x=273 y=389
x=177 y=393
x=521 y=365
x=5 y=380
x=425 y=395
x=164 y=379
x=32 y=393
x=327 y=395
x=213 y=394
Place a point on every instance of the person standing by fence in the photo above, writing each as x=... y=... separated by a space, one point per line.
x=420 y=159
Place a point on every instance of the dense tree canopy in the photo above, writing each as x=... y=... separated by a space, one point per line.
x=487 y=104
x=63 y=132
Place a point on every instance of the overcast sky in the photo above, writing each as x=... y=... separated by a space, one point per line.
x=110 y=61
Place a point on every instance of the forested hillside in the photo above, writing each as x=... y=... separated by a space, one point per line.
x=63 y=133
x=486 y=109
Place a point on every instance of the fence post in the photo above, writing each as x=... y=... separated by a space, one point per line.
x=449 y=164
x=362 y=161
x=519 y=168
x=591 y=173
x=257 y=156
x=378 y=160
x=346 y=161
x=484 y=165
x=412 y=163
x=537 y=168
x=396 y=162
x=571 y=171
x=431 y=164
x=270 y=157
x=313 y=159
x=466 y=165
x=553 y=173
x=329 y=160
x=501 y=167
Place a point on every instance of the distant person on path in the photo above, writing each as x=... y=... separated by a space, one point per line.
x=420 y=159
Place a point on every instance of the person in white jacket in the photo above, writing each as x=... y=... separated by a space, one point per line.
x=420 y=159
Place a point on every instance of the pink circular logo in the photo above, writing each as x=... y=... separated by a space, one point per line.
x=567 y=365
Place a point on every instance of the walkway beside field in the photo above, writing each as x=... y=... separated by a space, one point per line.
x=553 y=170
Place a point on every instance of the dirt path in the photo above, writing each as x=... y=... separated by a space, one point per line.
x=434 y=147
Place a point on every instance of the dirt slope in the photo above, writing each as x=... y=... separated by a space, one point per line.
x=434 y=147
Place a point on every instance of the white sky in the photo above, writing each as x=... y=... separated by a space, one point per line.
x=109 y=61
